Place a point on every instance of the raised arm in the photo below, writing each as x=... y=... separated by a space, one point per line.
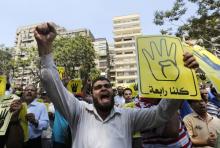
x=65 y=102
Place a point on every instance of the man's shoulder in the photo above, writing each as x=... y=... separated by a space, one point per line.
x=39 y=104
x=189 y=117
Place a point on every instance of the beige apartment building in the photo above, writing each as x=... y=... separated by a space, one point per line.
x=102 y=56
x=125 y=29
x=25 y=39
x=112 y=63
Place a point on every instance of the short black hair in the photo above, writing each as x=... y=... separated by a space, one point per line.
x=8 y=86
x=100 y=79
x=127 y=89
x=213 y=91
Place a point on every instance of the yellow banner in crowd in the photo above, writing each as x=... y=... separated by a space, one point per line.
x=162 y=73
x=209 y=63
x=5 y=114
x=61 y=71
x=134 y=88
x=75 y=86
x=2 y=84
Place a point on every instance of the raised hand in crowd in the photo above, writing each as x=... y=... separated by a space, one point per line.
x=15 y=105
x=190 y=60
x=211 y=139
x=44 y=35
x=31 y=118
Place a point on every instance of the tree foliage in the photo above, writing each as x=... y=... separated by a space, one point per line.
x=203 y=25
x=5 y=61
x=27 y=60
x=76 y=54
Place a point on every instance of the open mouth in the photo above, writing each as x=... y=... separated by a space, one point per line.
x=105 y=98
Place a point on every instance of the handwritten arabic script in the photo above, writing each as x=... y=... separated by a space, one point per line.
x=171 y=91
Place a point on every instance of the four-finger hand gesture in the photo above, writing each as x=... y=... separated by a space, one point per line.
x=162 y=61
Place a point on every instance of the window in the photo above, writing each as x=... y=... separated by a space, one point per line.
x=120 y=81
x=130 y=81
x=118 y=53
x=129 y=52
x=120 y=73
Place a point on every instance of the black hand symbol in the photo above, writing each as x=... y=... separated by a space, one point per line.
x=162 y=61
x=135 y=87
x=3 y=114
x=74 y=87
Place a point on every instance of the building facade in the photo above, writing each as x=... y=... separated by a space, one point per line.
x=125 y=29
x=112 y=64
x=25 y=40
x=102 y=53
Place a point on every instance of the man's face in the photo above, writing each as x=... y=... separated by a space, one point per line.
x=102 y=94
x=127 y=95
x=200 y=107
x=30 y=93
x=120 y=91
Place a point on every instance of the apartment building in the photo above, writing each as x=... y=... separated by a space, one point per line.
x=125 y=29
x=78 y=32
x=112 y=64
x=25 y=39
x=102 y=53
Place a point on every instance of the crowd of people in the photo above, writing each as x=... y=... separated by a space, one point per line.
x=55 y=118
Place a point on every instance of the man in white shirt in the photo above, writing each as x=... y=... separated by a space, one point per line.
x=101 y=124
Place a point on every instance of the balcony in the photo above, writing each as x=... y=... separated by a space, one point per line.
x=125 y=56
x=125 y=42
x=126 y=69
x=120 y=36
x=127 y=29
x=125 y=62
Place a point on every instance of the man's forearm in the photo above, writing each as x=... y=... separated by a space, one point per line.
x=65 y=102
x=199 y=142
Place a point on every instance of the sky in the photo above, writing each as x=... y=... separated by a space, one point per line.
x=95 y=15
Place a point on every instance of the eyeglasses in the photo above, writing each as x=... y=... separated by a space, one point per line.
x=30 y=90
x=100 y=86
x=128 y=94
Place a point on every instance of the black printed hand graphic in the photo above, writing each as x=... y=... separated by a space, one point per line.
x=135 y=87
x=3 y=114
x=162 y=61
x=74 y=87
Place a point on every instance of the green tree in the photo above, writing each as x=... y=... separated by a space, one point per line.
x=76 y=54
x=203 y=25
x=27 y=59
x=5 y=61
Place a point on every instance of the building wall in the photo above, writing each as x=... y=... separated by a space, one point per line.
x=25 y=39
x=125 y=28
x=102 y=53
x=112 y=64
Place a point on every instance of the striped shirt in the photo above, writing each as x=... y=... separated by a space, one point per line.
x=153 y=140
x=213 y=110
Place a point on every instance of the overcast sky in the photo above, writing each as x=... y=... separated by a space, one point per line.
x=95 y=15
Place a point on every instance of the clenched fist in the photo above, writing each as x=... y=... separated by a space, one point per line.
x=44 y=35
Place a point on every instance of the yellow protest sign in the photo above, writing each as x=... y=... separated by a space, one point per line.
x=134 y=88
x=209 y=63
x=5 y=114
x=2 y=84
x=61 y=71
x=75 y=86
x=161 y=69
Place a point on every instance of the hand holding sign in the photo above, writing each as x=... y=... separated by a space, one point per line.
x=163 y=68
